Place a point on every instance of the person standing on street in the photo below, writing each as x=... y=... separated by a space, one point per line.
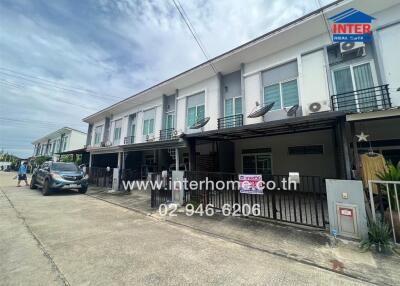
x=22 y=174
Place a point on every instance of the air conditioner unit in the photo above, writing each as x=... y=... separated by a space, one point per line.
x=102 y=144
x=318 y=106
x=349 y=47
x=149 y=138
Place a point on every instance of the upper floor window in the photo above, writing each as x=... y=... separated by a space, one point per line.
x=148 y=126
x=280 y=86
x=169 y=120
x=284 y=94
x=148 y=122
x=97 y=134
x=195 y=108
x=117 y=130
x=65 y=140
x=233 y=106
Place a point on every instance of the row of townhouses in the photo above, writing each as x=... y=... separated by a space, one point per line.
x=63 y=140
x=291 y=100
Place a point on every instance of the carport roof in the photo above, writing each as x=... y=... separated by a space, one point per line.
x=313 y=122
x=164 y=144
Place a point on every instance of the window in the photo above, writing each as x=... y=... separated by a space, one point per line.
x=132 y=131
x=65 y=140
x=97 y=134
x=284 y=94
x=148 y=126
x=257 y=163
x=169 y=121
x=351 y=78
x=280 y=85
x=195 y=108
x=306 y=150
x=233 y=106
x=117 y=130
x=195 y=114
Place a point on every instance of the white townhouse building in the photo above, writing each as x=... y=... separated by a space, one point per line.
x=319 y=95
x=62 y=140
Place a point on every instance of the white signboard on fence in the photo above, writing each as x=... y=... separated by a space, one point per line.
x=251 y=184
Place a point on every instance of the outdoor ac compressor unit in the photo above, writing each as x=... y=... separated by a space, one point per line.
x=318 y=106
x=349 y=47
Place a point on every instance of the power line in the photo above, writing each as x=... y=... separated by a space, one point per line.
x=53 y=85
x=21 y=87
x=325 y=20
x=49 y=81
x=32 y=121
x=193 y=32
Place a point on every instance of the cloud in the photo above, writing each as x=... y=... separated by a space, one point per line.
x=63 y=60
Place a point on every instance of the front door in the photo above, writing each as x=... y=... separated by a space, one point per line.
x=350 y=85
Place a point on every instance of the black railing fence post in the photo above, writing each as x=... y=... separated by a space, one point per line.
x=362 y=100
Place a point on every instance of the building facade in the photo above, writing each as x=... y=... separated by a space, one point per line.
x=61 y=140
x=319 y=95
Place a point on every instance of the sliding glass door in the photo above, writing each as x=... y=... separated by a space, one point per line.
x=350 y=84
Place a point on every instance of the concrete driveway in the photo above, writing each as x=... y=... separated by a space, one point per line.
x=73 y=239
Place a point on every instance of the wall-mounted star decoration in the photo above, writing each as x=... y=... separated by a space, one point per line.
x=362 y=137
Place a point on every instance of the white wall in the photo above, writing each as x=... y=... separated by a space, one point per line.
x=76 y=140
x=314 y=85
x=181 y=114
x=252 y=93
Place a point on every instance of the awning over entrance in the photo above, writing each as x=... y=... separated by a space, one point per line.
x=165 y=144
x=317 y=121
x=76 y=151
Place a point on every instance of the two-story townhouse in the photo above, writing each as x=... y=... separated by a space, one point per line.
x=62 y=140
x=291 y=100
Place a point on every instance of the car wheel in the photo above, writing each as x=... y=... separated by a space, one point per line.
x=46 y=188
x=32 y=184
x=83 y=190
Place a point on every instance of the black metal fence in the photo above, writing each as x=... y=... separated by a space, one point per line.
x=230 y=121
x=163 y=194
x=362 y=100
x=100 y=177
x=305 y=203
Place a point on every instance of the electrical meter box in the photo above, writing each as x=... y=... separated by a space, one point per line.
x=346 y=208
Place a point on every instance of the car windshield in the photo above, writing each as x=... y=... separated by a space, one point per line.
x=65 y=167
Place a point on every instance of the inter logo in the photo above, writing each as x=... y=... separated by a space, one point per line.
x=352 y=26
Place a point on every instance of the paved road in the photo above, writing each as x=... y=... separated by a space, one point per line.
x=73 y=239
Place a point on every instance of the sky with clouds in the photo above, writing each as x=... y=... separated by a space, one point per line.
x=63 y=60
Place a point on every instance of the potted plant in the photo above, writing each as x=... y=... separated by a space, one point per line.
x=379 y=237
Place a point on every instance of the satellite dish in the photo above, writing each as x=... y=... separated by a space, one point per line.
x=108 y=143
x=261 y=111
x=200 y=123
x=293 y=110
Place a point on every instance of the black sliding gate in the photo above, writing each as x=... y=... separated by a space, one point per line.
x=305 y=203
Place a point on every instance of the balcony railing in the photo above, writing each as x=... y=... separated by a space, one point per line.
x=362 y=100
x=129 y=140
x=230 y=121
x=167 y=134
